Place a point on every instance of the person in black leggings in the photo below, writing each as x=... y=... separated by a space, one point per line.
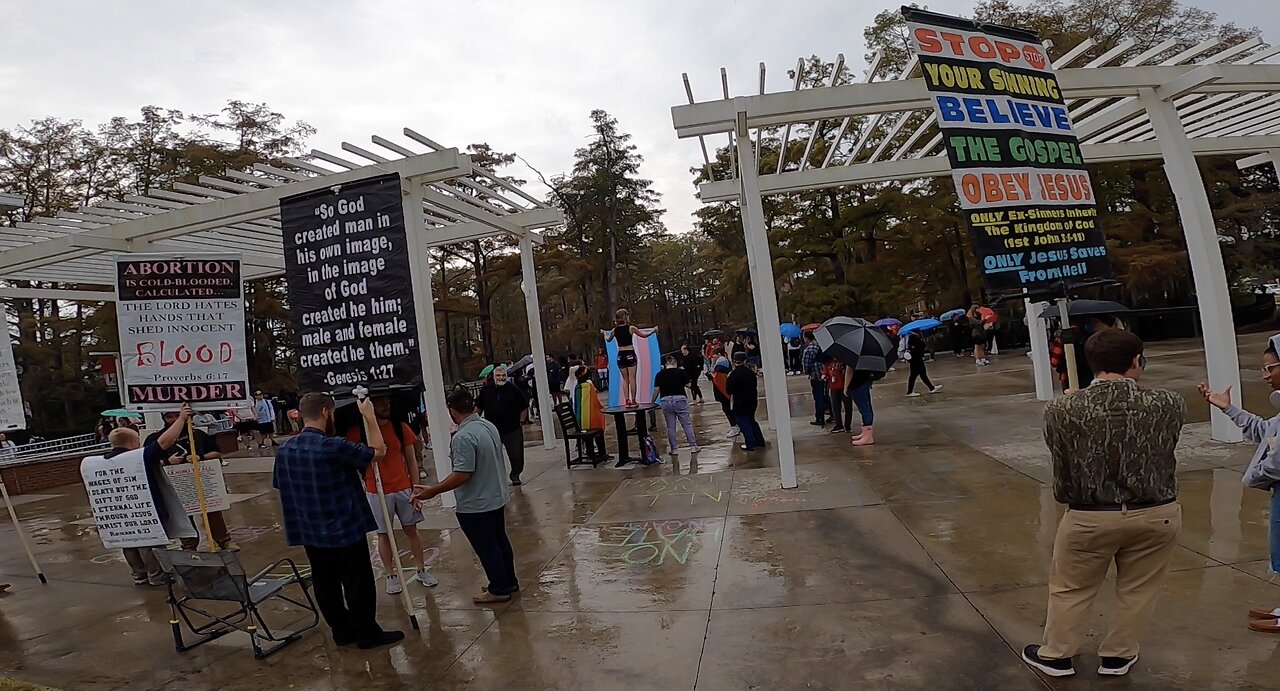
x=692 y=364
x=916 y=348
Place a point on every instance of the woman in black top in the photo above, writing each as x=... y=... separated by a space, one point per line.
x=623 y=332
x=692 y=364
x=670 y=384
x=915 y=351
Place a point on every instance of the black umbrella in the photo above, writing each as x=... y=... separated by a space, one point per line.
x=857 y=343
x=714 y=333
x=1080 y=308
x=748 y=331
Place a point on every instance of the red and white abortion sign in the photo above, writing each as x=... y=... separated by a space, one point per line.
x=181 y=329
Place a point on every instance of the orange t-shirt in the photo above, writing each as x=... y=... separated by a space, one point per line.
x=394 y=467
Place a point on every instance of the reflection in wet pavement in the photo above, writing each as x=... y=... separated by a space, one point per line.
x=918 y=563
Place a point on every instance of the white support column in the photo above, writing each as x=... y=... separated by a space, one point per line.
x=424 y=306
x=765 y=296
x=1206 y=257
x=529 y=284
x=1039 y=351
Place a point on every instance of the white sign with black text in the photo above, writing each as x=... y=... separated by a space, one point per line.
x=12 y=413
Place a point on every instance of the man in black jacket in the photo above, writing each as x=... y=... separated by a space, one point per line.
x=743 y=400
x=506 y=406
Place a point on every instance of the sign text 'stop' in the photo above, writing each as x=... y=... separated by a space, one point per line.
x=967 y=45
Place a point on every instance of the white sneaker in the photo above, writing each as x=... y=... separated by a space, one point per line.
x=936 y=389
x=393 y=585
x=914 y=394
x=695 y=448
x=673 y=452
x=425 y=578
x=226 y=463
x=733 y=432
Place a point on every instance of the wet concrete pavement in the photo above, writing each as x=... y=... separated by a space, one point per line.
x=918 y=563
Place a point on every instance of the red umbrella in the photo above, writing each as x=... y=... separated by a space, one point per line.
x=988 y=315
x=810 y=327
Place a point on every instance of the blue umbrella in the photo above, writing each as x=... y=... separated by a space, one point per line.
x=889 y=321
x=920 y=325
x=951 y=314
x=790 y=330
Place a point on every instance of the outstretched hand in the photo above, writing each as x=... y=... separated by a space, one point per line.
x=1219 y=400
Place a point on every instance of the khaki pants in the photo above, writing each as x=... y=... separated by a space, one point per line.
x=217 y=524
x=1140 y=542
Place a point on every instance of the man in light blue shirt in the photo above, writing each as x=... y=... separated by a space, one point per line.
x=479 y=483
x=265 y=413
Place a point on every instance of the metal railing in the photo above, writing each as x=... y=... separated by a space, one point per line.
x=52 y=448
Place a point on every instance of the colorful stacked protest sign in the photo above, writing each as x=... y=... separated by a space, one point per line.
x=181 y=319
x=1015 y=159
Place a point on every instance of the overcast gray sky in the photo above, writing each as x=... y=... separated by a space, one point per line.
x=522 y=76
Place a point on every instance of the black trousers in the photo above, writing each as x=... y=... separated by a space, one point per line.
x=487 y=533
x=840 y=401
x=342 y=578
x=693 y=388
x=513 y=441
x=917 y=370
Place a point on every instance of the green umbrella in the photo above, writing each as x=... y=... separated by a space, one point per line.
x=121 y=412
x=485 y=372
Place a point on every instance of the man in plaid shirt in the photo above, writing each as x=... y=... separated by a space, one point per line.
x=326 y=512
x=810 y=365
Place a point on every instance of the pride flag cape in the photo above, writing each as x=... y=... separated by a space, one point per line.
x=586 y=405
x=649 y=361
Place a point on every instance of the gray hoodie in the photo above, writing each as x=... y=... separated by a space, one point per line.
x=1264 y=470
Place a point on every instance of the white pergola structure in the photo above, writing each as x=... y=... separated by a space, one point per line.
x=452 y=200
x=1169 y=101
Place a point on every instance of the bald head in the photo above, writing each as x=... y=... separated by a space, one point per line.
x=124 y=438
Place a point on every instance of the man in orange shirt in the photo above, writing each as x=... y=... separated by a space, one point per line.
x=398 y=470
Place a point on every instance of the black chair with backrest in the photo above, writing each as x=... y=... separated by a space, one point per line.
x=219 y=577
x=569 y=430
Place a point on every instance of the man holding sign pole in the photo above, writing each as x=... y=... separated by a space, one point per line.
x=199 y=444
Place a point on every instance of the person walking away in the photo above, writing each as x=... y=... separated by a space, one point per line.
x=691 y=362
x=1112 y=447
x=623 y=333
x=743 y=400
x=978 y=333
x=326 y=512
x=858 y=388
x=265 y=414
x=793 y=355
x=915 y=359
x=398 y=470
x=833 y=373
x=670 y=384
x=719 y=376
x=179 y=453
x=1263 y=471
x=504 y=405
x=482 y=497
x=809 y=363
x=959 y=332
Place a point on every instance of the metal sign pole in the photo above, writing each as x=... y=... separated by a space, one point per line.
x=22 y=533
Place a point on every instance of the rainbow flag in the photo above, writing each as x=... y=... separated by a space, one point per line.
x=586 y=405
x=648 y=362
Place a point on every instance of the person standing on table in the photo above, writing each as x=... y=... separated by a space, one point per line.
x=146 y=570
x=398 y=469
x=691 y=362
x=1112 y=446
x=1263 y=471
x=670 y=384
x=624 y=333
x=327 y=513
x=482 y=497
x=743 y=399
x=502 y=403
x=181 y=453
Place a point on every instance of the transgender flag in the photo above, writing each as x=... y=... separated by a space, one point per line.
x=649 y=361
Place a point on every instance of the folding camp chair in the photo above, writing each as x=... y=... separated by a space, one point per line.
x=219 y=577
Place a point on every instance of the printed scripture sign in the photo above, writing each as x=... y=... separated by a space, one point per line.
x=121 y=501
x=181 y=329
x=183 y=479
x=12 y=414
x=1015 y=159
x=347 y=264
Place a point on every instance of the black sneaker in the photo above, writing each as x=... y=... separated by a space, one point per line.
x=837 y=430
x=1116 y=666
x=516 y=481
x=1053 y=668
x=815 y=423
x=384 y=638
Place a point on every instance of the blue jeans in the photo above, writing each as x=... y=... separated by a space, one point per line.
x=861 y=396
x=1274 y=531
x=820 y=402
x=752 y=436
x=676 y=410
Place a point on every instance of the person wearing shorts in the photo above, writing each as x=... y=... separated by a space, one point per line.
x=398 y=468
x=265 y=414
x=623 y=334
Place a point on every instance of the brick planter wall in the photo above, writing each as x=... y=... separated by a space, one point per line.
x=33 y=477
